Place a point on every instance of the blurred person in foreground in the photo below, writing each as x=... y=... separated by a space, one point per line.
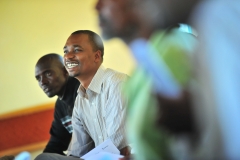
x=54 y=80
x=99 y=110
x=160 y=120
x=217 y=73
x=215 y=86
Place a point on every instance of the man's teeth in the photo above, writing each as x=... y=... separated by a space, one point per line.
x=71 y=65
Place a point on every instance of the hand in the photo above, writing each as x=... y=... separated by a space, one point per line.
x=126 y=151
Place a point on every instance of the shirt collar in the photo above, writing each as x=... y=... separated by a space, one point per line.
x=96 y=83
x=64 y=91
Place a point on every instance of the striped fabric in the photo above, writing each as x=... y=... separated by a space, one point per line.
x=99 y=113
x=66 y=121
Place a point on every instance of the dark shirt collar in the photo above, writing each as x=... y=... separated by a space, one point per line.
x=70 y=91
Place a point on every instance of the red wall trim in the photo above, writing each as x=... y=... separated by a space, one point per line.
x=25 y=129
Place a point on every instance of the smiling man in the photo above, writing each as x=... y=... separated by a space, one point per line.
x=99 y=102
x=99 y=110
x=54 y=80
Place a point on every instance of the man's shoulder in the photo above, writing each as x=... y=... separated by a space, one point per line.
x=59 y=105
x=73 y=82
x=61 y=109
x=70 y=92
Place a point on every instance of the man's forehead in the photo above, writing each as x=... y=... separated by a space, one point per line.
x=77 y=40
x=44 y=66
x=71 y=45
x=77 y=37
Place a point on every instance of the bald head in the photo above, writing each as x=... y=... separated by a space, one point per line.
x=50 y=58
x=51 y=74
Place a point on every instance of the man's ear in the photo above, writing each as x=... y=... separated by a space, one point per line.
x=98 y=56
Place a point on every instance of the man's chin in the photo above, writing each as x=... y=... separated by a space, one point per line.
x=106 y=35
x=50 y=95
x=73 y=75
x=110 y=34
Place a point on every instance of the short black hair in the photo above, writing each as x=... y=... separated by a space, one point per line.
x=52 y=57
x=94 y=38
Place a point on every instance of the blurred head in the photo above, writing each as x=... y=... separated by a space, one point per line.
x=51 y=74
x=115 y=18
x=129 y=19
x=83 y=53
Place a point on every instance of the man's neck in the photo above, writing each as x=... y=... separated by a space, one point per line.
x=62 y=91
x=85 y=80
x=142 y=33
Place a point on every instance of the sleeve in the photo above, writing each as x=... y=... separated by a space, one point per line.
x=115 y=117
x=81 y=141
x=60 y=137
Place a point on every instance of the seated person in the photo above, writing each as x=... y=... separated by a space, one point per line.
x=54 y=80
x=99 y=110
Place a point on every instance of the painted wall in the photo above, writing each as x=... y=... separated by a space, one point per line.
x=32 y=28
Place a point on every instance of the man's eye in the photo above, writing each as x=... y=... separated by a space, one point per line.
x=65 y=51
x=48 y=74
x=38 y=79
x=77 y=50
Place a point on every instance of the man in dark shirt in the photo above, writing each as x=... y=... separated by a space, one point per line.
x=54 y=80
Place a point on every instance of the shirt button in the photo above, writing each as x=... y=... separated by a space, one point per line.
x=95 y=120
x=92 y=103
x=100 y=137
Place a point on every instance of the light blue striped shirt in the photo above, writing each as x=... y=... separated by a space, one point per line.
x=99 y=113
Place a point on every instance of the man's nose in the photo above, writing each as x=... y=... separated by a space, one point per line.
x=43 y=81
x=68 y=55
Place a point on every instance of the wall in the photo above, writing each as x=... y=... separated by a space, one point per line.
x=30 y=29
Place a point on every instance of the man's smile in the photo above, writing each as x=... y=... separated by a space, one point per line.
x=70 y=65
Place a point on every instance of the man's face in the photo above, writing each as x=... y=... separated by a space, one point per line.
x=114 y=17
x=80 y=59
x=129 y=18
x=51 y=78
